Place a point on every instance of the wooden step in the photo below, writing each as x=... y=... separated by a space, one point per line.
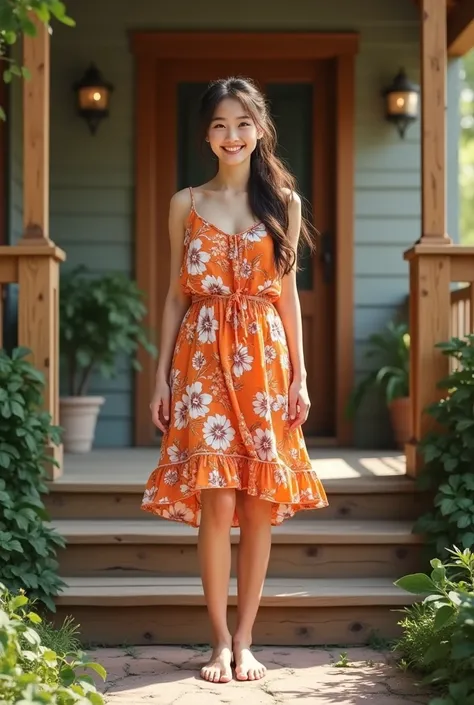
x=393 y=498
x=324 y=549
x=157 y=610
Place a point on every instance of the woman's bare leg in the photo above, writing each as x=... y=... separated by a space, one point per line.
x=254 y=552
x=214 y=549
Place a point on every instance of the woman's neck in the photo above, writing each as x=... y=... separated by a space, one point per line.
x=235 y=178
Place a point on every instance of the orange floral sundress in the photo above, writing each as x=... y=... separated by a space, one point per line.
x=230 y=373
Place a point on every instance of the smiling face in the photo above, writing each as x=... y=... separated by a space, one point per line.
x=232 y=134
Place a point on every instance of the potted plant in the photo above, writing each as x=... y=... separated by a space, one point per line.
x=391 y=349
x=99 y=317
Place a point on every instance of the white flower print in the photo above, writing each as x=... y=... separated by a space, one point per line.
x=253 y=327
x=306 y=495
x=277 y=332
x=176 y=455
x=285 y=361
x=196 y=259
x=149 y=495
x=285 y=511
x=266 y=285
x=264 y=444
x=280 y=476
x=245 y=269
x=164 y=500
x=294 y=453
x=216 y=479
x=214 y=285
x=270 y=354
x=181 y=414
x=173 y=379
x=256 y=234
x=179 y=512
x=171 y=477
x=184 y=489
x=196 y=400
x=281 y=403
x=218 y=433
x=262 y=404
x=233 y=252
x=242 y=361
x=207 y=325
x=199 y=360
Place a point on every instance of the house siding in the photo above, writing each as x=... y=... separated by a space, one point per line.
x=92 y=178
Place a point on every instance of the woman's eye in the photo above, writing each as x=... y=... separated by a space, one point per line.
x=244 y=124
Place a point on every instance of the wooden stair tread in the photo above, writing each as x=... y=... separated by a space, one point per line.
x=332 y=531
x=344 y=485
x=278 y=592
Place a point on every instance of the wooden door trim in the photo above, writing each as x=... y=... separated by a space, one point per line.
x=155 y=56
x=243 y=45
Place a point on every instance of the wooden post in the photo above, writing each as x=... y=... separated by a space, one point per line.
x=430 y=274
x=36 y=137
x=38 y=269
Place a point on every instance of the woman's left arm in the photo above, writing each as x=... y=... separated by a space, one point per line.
x=288 y=306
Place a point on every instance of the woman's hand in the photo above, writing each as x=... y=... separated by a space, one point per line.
x=298 y=404
x=161 y=402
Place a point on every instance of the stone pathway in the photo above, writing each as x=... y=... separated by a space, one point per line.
x=313 y=676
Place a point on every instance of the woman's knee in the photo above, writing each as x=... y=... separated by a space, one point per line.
x=218 y=507
x=252 y=511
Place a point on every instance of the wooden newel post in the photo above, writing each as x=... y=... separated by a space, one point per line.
x=38 y=264
x=429 y=259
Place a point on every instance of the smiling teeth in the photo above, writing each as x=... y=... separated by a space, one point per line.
x=232 y=149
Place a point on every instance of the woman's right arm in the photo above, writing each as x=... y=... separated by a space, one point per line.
x=176 y=305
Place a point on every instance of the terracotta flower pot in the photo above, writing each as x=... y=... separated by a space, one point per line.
x=78 y=417
x=400 y=415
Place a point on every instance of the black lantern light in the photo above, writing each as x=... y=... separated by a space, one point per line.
x=93 y=96
x=402 y=102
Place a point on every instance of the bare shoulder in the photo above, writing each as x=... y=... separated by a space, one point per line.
x=294 y=201
x=180 y=203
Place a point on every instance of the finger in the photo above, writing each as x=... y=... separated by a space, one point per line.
x=166 y=408
x=292 y=403
x=302 y=413
x=155 y=417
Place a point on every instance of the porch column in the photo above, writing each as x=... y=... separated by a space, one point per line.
x=429 y=259
x=38 y=267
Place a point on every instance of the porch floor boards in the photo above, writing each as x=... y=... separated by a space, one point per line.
x=129 y=468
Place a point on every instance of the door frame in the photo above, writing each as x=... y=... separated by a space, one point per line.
x=156 y=53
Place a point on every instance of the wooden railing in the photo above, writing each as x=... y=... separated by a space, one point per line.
x=35 y=268
x=462 y=311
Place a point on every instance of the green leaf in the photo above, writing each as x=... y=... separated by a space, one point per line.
x=19 y=601
x=438 y=652
x=417 y=583
x=97 y=667
x=33 y=617
x=444 y=615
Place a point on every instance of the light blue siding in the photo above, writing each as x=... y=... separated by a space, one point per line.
x=92 y=178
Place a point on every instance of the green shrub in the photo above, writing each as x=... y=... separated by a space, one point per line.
x=30 y=672
x=449 y=454
x=100 y=317
x=27 y=545
x=438 y=635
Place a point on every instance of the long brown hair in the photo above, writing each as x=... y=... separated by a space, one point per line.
x=268 y=175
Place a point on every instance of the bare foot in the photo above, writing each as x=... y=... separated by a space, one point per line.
x=247 y=668
x=218 y=668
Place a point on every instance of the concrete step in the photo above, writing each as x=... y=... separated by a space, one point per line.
x=294 y=611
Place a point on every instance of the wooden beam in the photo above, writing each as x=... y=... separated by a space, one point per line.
x=460 y=30
x=433 y=125
x=36 y=58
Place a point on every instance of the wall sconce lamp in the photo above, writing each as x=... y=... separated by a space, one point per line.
x=402 y=102
x=93 y=96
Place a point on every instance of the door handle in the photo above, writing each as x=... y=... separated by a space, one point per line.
x=327 y=256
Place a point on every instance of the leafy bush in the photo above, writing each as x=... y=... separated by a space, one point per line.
x=27 y=545
x=99 y=318
x=444 y=628
x=30 y=672
x=391 y=351
x=449 y=455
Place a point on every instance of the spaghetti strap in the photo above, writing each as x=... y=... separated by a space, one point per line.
x=192 y=198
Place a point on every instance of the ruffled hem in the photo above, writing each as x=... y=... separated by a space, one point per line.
x=173 y=490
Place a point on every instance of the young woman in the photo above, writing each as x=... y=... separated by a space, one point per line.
x=231 y=392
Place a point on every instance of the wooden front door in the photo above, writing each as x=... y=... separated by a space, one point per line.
x=300 y=103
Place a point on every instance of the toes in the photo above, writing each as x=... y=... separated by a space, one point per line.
x=242 y=675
